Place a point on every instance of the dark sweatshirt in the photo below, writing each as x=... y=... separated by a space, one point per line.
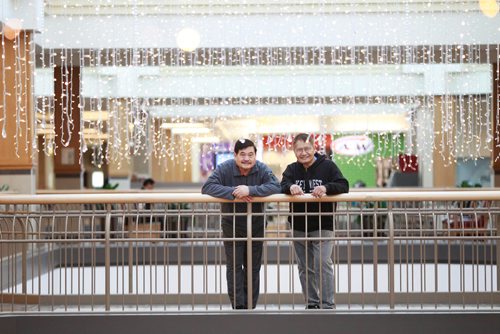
x=260 y=181
x=322 y=172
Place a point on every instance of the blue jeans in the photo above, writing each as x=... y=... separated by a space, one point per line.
x=314 y=259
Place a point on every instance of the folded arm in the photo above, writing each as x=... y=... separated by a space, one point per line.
x=269 y=185
x=214 y=187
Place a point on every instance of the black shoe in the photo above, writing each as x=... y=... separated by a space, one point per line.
x=312 y=307
x=240 y=307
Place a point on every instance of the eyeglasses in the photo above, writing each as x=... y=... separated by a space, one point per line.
x=306 y=149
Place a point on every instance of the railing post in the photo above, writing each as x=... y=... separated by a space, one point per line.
x=24 y=245
x=130 y=266
x=107 y=258
x=130 y=227
x=249 y=256
x=390 y=250
x=497 y=247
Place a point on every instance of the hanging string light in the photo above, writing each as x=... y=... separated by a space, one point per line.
x=137 y=87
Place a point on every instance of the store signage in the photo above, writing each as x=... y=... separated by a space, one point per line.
x=352 y=145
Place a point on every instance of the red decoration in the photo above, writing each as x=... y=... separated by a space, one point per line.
x=408 y=163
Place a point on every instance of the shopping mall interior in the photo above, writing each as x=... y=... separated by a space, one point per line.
x=118 y=91
x=97 y=96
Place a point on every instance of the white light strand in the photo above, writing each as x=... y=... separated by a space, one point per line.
x=4 y=88
x=465 y=127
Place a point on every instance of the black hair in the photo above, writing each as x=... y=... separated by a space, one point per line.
x=305 y=138
x=359 y=184
x=147 y=182
x=241 y=144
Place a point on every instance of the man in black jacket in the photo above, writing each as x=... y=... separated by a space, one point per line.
x=314 y=174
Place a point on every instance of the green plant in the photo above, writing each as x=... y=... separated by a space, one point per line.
x=109 y=186
x=467 y=184
x=4 y=187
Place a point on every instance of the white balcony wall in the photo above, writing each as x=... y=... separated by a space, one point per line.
x=275 y=110
x=264 y=30
x=238 y=81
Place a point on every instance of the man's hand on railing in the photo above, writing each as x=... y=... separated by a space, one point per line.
x=296 y=190
x=242 y=192
x=319 y=191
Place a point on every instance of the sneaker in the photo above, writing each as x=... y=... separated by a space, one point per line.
x=312 y=307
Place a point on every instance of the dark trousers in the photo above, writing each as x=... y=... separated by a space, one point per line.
x=236 y=273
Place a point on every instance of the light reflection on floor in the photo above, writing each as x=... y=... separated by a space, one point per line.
x=210 y=279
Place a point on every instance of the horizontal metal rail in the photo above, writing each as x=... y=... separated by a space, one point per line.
x=143 y=197
x=391 y=250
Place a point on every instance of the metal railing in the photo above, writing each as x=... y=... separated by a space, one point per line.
x=392 y=250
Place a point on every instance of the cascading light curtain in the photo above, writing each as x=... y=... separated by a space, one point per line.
x=124 y=126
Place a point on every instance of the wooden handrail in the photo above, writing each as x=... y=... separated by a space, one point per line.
x=157 y=197
x=177 y=189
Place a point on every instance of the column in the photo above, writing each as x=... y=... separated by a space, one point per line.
x=176 y=168
x=120 y=164
x=17 y=165
x=444 y=166
x=67 y=168
x=495 y=159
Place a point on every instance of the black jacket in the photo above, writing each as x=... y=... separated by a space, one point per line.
x=322 y=172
